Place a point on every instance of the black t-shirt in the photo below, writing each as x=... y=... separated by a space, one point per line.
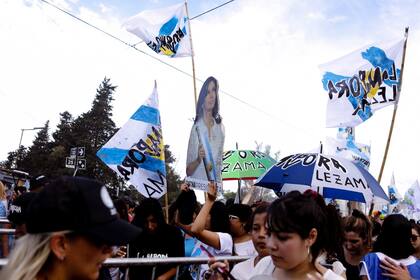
x=352 y=271
x=166 y=242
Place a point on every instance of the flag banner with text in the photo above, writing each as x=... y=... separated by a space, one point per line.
x=136 y=152
x=362 y=82
x=164 y=30
x=412 y=197
x=394 y=196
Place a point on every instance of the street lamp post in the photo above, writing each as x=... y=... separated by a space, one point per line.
x=20 y=142
x=25 y=129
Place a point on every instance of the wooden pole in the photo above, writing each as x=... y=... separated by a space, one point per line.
x=166 y=206
x=167 y=189
x=395 y=110
x=391 y=128
x=192 y=56
x=239 y=180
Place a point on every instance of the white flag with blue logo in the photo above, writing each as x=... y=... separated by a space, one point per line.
x=357 y=153
x=345 y=146
x=393 y=194
x=362 y=82
x=412 y=197
x=165 y=30
x=136 y=152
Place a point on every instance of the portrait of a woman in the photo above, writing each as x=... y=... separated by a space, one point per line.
x=205 y=147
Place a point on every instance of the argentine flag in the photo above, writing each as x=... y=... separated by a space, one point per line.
x=136 y=152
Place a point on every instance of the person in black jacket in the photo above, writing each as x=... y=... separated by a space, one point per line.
x=158 y=240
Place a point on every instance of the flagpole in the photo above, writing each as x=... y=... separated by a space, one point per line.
x=353 y=204
x=192 y=56
x=167 y=188
x=391 y=129
x=395 y=109
x=239 y=181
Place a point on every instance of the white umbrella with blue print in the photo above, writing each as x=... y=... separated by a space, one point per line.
x=332 y=177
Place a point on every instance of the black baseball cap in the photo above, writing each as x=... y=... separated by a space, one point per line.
x=18 y=208
x=38 y=181
x=81 y=205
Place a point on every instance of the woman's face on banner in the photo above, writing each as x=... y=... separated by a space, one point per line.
x=210 y=99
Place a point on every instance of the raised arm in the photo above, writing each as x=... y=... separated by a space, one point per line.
x=198 y=227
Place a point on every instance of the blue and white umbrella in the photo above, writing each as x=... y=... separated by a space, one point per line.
x=332 y=177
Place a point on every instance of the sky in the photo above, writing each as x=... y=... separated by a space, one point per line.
x=265 y=55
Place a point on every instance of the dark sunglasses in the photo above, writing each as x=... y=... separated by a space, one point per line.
x=414 y=237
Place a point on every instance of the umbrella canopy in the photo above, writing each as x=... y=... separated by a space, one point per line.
x=332 y=177
x=245 y=164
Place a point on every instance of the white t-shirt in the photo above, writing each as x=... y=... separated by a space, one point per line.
x=337 y=267
x=243 y=270
x=266 y=267
x=245 y=248
x=330 y=275
x=226 y=246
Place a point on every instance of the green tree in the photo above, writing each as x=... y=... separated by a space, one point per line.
x=229 y=195
x=15 y=158
x=63 y=135
x=63 y=141
x=172 y=178
x=92 y=130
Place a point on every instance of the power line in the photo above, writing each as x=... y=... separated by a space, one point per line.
x=215 y=8
x=170 y=65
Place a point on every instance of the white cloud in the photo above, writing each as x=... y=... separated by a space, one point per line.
x=104 y=8
x=267 y=55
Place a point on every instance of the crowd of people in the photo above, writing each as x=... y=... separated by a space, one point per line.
x=67 y=227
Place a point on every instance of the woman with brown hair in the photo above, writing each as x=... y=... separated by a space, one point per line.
x=357 y=242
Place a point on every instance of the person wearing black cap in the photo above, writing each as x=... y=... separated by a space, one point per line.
x=71 y=224
x=38 y=182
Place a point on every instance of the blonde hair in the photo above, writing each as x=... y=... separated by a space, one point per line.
x=28 y=257
x=2 y=191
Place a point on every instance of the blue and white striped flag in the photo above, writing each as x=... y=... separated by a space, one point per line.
x=362 y=82
x=136 y=152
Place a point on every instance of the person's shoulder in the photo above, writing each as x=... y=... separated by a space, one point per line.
x=414 y=269
x=373 y=256
x=243 y=269
x=264 y=266
x=330 y=275
x=225 y=236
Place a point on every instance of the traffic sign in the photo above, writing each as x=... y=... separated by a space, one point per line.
x=80 y=151
x=73 y=152
x=70 y=162
x=81 y=164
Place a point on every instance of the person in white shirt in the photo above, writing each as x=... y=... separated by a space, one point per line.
x=243 y=270
x=240 y=226
x=297 y=233
x=211 y=228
